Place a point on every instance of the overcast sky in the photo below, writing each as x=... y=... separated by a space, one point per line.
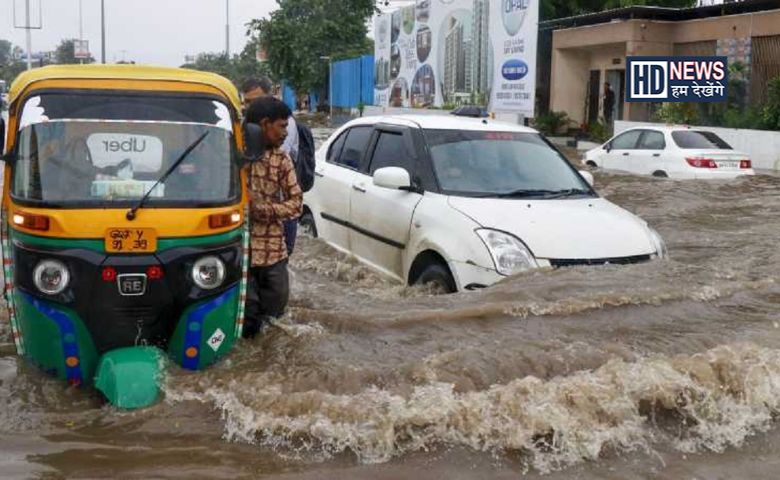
x=148 y=31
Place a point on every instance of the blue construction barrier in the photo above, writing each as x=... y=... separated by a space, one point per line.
x=353 y=82
x=288 y=96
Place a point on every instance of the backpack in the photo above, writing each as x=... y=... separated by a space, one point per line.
x=305 y=163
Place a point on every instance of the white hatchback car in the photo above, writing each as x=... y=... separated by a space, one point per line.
x=463 y=203
x=670 y=151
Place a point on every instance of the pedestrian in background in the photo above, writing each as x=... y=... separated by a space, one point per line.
x=609 y=102
x=252 y=89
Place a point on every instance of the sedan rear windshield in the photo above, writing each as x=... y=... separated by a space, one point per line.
x=700 y=140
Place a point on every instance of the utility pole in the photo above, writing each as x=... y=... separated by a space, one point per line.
x=227 y=29
x=81 y=28
x=81 y=22
x=103 y=31
x=28 y=26
x=29 y=33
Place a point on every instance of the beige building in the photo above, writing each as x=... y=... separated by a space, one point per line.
x=590 y=50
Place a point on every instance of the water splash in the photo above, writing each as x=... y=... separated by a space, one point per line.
x=709 y=401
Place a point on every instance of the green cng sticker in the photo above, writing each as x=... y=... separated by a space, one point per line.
x=216 y=339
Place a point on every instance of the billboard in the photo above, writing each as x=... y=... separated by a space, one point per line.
x=456 y=52
x=81 y=49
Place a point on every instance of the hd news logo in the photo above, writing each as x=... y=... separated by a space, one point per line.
x=676 y=79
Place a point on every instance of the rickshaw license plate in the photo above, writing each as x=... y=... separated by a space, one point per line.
x=131 y=240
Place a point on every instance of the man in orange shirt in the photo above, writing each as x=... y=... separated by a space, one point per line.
x=275 y=197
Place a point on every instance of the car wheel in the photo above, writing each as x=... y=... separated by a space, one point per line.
x=591 y=164
x=307 y=225
x=660 y=174
x=438 y=277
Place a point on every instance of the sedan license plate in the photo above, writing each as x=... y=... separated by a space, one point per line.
x=728 y=164
x=131 y=240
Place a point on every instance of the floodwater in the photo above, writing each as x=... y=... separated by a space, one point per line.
x=665 y=370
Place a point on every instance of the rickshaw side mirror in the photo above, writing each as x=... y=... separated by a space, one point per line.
x=254 y=147
x=2 y=139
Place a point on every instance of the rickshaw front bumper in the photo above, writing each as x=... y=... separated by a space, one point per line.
x=117 y=301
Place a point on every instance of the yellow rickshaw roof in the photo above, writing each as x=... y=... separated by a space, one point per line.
x=123 y=72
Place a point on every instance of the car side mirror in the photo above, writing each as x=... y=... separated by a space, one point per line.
x=608 y=146
x=254 y=146
x=394 y=178
x=587 y=176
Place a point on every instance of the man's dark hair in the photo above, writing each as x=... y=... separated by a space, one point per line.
x=267 y=107
x=263 y=83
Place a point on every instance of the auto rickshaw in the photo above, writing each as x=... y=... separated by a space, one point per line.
x=124 y=232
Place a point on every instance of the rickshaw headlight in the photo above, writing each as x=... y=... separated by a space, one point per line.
x=51 y=277
x=208 y=273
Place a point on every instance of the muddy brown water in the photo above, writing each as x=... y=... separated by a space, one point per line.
x=663 y=370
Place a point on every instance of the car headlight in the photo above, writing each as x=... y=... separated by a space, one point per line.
x=208 y=273
x=51 y=277
x=658 y=243
x=510 y=255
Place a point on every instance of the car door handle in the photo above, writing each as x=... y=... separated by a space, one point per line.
x=359 y=188
x=318 y=174
x=625 y=154
x=656 y=154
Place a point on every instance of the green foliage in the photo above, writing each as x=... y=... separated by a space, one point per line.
x=551 y=9
x=9 y=68
x=749 y=118
x=599 y=132
x=6 y=52
x=771 y=114
x=678 y=112
x=734 y=113
x=551 y=122
x=300 y=32
x=236 y=69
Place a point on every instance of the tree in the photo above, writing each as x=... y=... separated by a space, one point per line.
x=6 y=52
x=552 y=9
x=300 y=32
x=10 y=67
x=236 y=69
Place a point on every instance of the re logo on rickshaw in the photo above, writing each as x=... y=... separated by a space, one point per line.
x=131 y=284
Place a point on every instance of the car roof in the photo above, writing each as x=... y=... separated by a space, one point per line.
x=667 y=128
x=443 y=122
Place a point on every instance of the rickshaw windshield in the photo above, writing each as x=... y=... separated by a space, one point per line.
x=112 y=161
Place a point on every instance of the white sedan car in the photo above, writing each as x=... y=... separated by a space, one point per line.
x=463 y=203
x=676 y=152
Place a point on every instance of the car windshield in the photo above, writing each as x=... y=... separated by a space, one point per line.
x=113 y=161
x=688 y=139
x=501 y=164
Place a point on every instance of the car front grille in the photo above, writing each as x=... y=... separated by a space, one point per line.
x=573 y=262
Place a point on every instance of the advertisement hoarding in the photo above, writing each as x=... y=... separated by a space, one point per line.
x=81 y=49
x=439 y=53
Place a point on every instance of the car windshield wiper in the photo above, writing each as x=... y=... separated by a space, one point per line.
x=569 y=192
x=525 y=192
x=130 y=215
x=521 y=193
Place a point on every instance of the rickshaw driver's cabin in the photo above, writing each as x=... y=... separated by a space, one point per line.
x=123 y=223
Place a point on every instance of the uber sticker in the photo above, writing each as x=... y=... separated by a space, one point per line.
x=216 y=339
